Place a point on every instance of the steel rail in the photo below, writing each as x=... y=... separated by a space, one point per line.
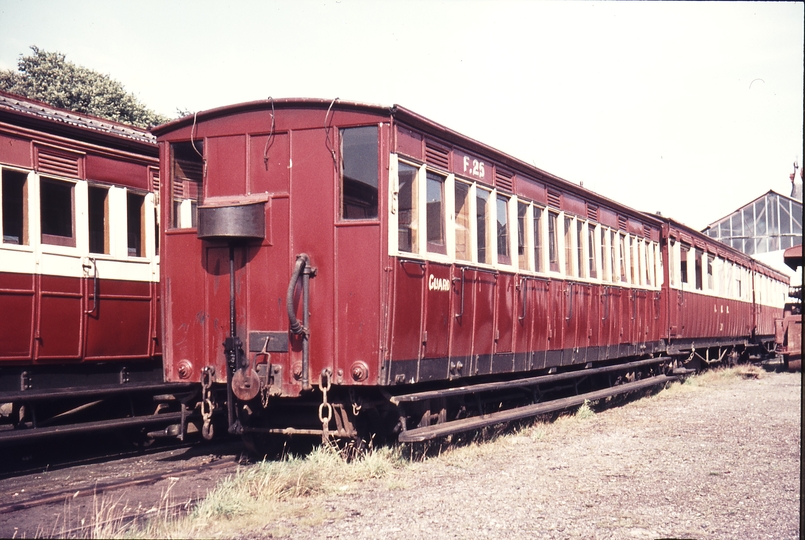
x=25 y=435
x=477 y=422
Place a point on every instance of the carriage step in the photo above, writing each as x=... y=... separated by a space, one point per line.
x=477 y=422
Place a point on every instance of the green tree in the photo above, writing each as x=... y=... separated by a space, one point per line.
x=50 y=78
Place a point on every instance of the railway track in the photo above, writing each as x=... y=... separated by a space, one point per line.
x=137 y=483
x=33 y=458
x=98 y=488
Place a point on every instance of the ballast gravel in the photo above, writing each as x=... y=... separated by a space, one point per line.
x=717 y=461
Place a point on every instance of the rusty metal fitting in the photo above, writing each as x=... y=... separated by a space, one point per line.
x=296 y=370
x=359 y=371
x=185 y=369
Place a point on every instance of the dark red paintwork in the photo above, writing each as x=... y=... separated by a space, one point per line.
x=45 y=314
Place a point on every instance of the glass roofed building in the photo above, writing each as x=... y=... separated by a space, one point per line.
x=772 y=222
x=766 y=227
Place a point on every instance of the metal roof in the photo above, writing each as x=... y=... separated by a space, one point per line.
x=36 y=109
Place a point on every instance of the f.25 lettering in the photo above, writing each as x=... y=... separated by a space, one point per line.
x=473 y=167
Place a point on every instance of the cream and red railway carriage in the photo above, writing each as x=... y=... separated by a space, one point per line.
x=79 y=268
x=719 y=302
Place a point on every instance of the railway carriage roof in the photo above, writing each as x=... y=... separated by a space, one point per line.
x=691 y=236
x=37 y=111
x=414 y=120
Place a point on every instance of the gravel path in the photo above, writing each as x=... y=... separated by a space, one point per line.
x=715 y=461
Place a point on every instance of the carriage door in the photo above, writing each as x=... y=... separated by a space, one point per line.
x=60 y=287
x=435 y=363
x=117 y=275
x=406 y=321
x=461 y=329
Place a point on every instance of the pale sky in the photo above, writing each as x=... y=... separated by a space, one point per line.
x=692 y=109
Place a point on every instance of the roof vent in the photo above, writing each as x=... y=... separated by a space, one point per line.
x=592 y=212
x=503 y=180
x=436 y=155
x=58 y=162
x=554 y=199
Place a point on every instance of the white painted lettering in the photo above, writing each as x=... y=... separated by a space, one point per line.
x=438 y=284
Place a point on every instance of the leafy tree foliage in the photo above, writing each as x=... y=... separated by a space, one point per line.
x=50 y=78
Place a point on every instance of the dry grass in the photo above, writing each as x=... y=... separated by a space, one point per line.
x=271 y=491
x=110 y=516
x=713 y=377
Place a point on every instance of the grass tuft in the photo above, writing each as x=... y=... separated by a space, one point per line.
x=585 y=411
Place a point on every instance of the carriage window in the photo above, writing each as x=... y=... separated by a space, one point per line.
x=187 y=170
x=154 y=183
x=15 y=207
x=503 y=230
x=522 y=250
x=481 y=213
x=568 y=234
x=722 y=283
x=579 y=247
x=359 y=173
x=553 y=240
x=683 y=264
x=672 y=262
x=698 y=268
x=624 y=255
x=710 y=279
x=98 y=220
x=606 y=271
x=593 y=263
x=406 y=201
x=463 y=251
x=157 y=228
x=639 y=257
x=613 y=259
x=134 y=224
x=56 y=210
x=538 y=239
x=435 y=213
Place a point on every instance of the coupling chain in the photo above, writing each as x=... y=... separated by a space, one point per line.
x=325 y=409
x=206 y=402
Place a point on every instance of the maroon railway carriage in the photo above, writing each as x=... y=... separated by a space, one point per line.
x=720 y=303
x=381 y=259
x=78 y=266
